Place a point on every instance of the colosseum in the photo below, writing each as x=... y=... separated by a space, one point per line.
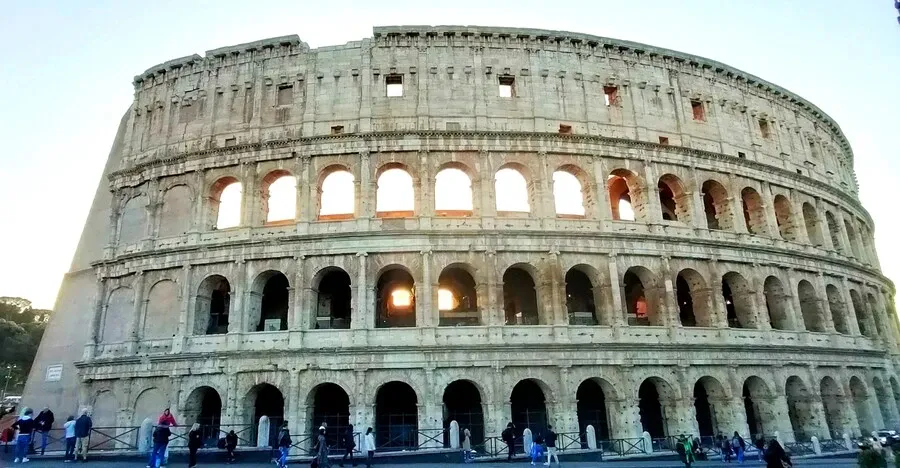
x=479 y=225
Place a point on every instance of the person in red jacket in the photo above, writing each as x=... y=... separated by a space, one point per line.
x=166 y=417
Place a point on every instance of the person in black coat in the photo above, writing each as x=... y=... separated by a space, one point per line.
x=231 y=440
x=775 y=455
x=509 y=437
x=349 y=444
x=195 y=441
x=160 y=442
x=43 y=424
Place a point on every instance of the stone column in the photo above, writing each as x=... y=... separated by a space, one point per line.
x=492 y=309
x=237 y=312
x=603 y=211
x=768 y=201
x=293 y=403
x=230 y=402
x=424 y=202
x=487 y=208
x=363 y=315
x=654 y=210
x=249 y=196
x=762 y=312
x=824 y=305
x=307 y=192
x=99 y=308
x=668 y=300
x=185 y=318
x=790 y=287
x=624 y=418
x=781 y=418
x=543 y=193
x=718 y=312
x=852 y=320
x=140 y=308
x=300 y=309
x=565 y=413
x=616 y=308
x=365 y=205
x=557 y=285
x=737 y=205
x=880 y=316
x=425 y=293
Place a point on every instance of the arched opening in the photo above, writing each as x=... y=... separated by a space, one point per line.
x=811 y=220
x=784 y=217
x=580 y=298
x=853 y=239
x=832 y=403
x=717 y=206
x=860 y=395
x=568 y=196
x=212 y=306
x=328 y=403
x=163 y=308
x=457 y=298
x=711 y=407
x=333 y=300
x=266 y=400
x=757 y=406
x=269 y=301
x=511 y=191
x=204 y=407
x=884 y=405
x=673 y=201
x=863 y=321
x=452 y=193
x=591 y=408
x=800 y=408
x=776 y=303
x=396 y=417
x=520 y=303
x=175 y=213
x=692 y=295
x=895 y=391
x=626 y=195
x=133 y=220
x=653 y=412
x=279 y=197
x=529 y=409
x=838 y=309
x=810 y=307
x=834 y=230
x=395 y=196
x=225 y=203
x=874 y=314
x=337 y=197
x=738 y=300
x=395 y=304
x=640 y=298
x=462 y=403
x=754 y=211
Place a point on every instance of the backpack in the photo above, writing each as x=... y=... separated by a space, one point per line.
x=506 y=435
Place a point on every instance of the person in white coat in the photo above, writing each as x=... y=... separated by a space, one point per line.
x=370 y=446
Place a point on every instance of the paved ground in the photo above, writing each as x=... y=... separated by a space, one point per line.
x=826 y=463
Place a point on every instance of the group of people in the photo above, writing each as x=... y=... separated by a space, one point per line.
x=773 y=454
x=544 y=442
x=321 y=448
x=25 y=429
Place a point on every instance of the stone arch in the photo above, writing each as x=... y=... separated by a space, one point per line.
x=513 y=191
x=264 y=399
x=396 y=194
x=875 y=314
x=396 y=416
x=754 y=211
x=593 y=397
x=810 y=307
x=784 y=217
x=627 y=195
x=895 y=390
x=462 y=403
x=458 y=296
x=694 y=300
x=150 y=403
x=528 y=401
x=333 y=289
x=104 y=409
x=834 y=230
x=853 y=240
x=395 y=299
x=520 y=298
x=453 y=192
x=176 y=211
x=838 y=309
x=884 y=404
x=811 y=220
x=717 y=205
x=212 y=306
x=761 y=415
x=133 y=220
x=674 y=200
x=776 y=303
x=568 y=195
x=656 y=400
x=582 y=191
x=328 y=403
x=269 y=302
x=711 y=408
x=224 y=204
x=801 y=409
x=336 y=193
x=641 y=297
x=163 y=310
x=738 y=298
x=836 y=414
x=278 y=197
x=863 y=319
x=117 y=317
x=861 y=404
x=204 y=406
x=581 y=298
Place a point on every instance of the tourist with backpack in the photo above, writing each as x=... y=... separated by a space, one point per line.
x=284 y=445
x=738 y=445
x=509 y=438
x=349 y=444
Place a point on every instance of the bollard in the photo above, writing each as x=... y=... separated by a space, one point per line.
x=648 y=442
x=145 y=436
x=591 y=437
x=848 y=442
x=454 y=435
x=262 y=432
x=817 y=447
x=527 y=440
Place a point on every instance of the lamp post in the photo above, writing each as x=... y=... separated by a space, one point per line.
x=9 y=368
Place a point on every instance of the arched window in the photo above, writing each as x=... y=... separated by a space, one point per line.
x=811 y=220
x=396 y=299
x=269 y=302
x=580 y=303
x=175 y=214
x=396 y=417
x=863 y=318
x=511 y=190
x=834 y=230
x=813 y=318
x=738 y=301
x=776 y=303
x=717 y=206
x=673 y=201
x=457 y=297
x=801 y=408
x=567 y=194
x=626 y=195
x=693 y=298
x=395 y=197
x=279 y=197
x=212 y=306
x=337 y=198
x=333 y=299
x=520 y=303
x=639 y=286
x=854 y=241
x=452 y=193
x=784 y=216
x=838 y=309
x=225 y=203
x=133 y=220
x=754 y=213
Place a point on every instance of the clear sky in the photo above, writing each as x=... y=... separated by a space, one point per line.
x=67 y=66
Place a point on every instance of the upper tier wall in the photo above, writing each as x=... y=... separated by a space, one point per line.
x=278 y=89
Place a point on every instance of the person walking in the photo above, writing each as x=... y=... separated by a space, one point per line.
x=685 y=451
x=160 y=443
x=322 y=449
x=284 y=444
x=83 y=426
x=24 y=427
x=195 y=441
x=775 y=456
x=738 y=446
x=69 y=427
x=509 y=438
x=43 y=423
x=550 y=441
x=370 y=447
x=467 y=446
x=725 y=445
x=349 y=444
x=231 y=440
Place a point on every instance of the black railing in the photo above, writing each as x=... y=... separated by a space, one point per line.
x=832 y=445
x=797 y=448
x=113 y=438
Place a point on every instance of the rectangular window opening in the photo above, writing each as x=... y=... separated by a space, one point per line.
x=506 y=86
x=394 y=85
x=565 y=129
x=454 y=126
x=230 y=141
x=285 y=95
x=663 y=140
x=799 y=171
x=697 y=110
x=337 y=129
x=764 y=128
x=611 y=95
x=813 y=151
x=741 y=155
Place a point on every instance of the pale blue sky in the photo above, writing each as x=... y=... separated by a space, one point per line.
x=66 y=70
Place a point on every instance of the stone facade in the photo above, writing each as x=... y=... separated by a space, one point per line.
x=735 y=184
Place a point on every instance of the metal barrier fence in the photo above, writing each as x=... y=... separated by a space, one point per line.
x=799 y=448
x=832 y=445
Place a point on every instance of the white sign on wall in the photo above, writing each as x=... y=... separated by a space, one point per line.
x=54 y=373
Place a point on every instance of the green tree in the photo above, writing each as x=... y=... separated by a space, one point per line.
x=21 y=330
